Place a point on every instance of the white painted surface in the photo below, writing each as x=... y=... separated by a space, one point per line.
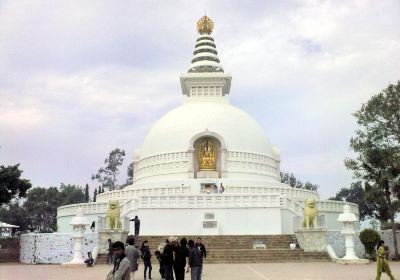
x=52 y=247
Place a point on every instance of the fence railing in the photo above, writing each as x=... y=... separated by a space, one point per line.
x=173 y=190
x=207 y=201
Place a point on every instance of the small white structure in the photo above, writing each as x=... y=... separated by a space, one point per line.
x=79 y=223
x=348 y=219
x=6 y=229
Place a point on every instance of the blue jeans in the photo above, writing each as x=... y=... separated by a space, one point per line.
x=195 y=272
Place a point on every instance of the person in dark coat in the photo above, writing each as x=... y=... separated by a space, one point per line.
x=195 y=261
x=168 y=257
x=146 y=256
x=159 y=257
x=201 y=247
x=181 y=255
x=137 y=224
x=110 y=252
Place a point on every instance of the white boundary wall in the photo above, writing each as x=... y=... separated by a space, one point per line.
x=54 y=248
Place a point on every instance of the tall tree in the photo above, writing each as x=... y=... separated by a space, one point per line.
x=87 y=193
x=377 y=149
x=107 y=176
x=41 y=205
x=15 y=214
x=355 y=194
x=94 y=195
x=291 y=180
x=11 y=184
x=129 y=180
x=71 y=194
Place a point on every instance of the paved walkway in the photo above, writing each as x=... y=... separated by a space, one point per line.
x=259 y=271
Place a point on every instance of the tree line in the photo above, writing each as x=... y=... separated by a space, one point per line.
x=35 y=208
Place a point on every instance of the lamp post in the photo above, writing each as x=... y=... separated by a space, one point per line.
x=79 y=223
x=348 y=219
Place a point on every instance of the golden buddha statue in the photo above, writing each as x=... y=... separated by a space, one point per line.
x=207 y=156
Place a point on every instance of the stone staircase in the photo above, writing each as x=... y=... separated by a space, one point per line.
x=239 y=249
x=101 y=259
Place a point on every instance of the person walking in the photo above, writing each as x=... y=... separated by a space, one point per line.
x=121 y=267
x=201 y=247
x=133 y=255
x=168 y=258
x=146 y=256
x=110 y=252
x=382 y=264
x=180 y=261
x=195 y=261
x=159 y=257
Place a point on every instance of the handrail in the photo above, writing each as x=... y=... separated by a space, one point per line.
x=188 y=201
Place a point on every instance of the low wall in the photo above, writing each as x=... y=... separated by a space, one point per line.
x=52 y=247
x=9 y=251
x=387 y=236
x=336 y=240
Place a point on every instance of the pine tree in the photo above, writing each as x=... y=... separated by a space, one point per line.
x=87 y=193
x=94 y=195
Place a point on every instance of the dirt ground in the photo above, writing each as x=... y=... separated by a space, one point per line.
x=255 y=271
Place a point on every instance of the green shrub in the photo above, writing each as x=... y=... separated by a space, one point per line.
x=369 y=238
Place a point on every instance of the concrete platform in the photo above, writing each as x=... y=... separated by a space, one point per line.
x=259 y=271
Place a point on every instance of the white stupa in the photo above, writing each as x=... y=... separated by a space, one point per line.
x=207 y=167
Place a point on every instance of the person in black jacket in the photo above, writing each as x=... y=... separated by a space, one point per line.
x=201 y=247
x=181 y=255
x=168 y=258
x=146 y=256
x=159 y=257
x=137 y=224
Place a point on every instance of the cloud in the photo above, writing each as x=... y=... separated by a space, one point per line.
x=81 y=78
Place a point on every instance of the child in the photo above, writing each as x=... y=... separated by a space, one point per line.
x=160 y=260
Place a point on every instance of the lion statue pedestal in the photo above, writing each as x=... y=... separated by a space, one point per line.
x=310 y=236
x=113 y=228
x=312 y=240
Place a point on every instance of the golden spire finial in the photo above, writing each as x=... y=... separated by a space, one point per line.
x=205 y=25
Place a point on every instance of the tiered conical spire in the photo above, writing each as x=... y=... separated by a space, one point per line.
x=205 y=57
x=205 y=80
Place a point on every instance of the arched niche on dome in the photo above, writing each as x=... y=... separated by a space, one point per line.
x=207 y=155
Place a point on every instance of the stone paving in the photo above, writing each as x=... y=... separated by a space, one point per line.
x=255 y=271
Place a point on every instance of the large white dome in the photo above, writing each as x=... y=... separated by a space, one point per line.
x=174 y=131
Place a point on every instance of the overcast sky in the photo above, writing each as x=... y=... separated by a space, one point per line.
x=79 y=78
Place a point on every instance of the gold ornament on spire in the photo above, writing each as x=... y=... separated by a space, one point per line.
x=205 y=25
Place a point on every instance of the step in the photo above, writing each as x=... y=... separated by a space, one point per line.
x=226 y=242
